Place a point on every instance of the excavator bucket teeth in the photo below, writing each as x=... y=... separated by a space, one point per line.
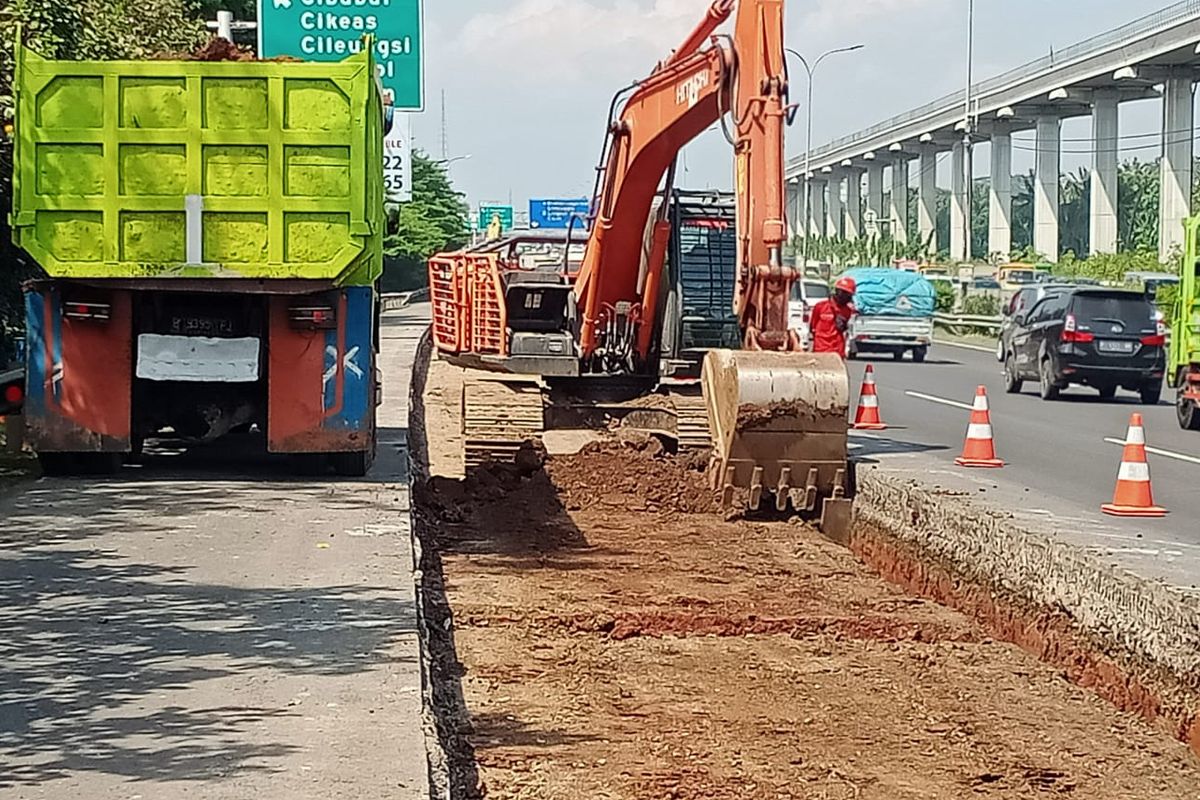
x=779 y=425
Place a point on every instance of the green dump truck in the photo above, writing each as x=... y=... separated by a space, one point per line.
x=211 y=236
x=1184 y=368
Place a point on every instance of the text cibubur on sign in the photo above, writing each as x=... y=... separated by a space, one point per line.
x=330 y=30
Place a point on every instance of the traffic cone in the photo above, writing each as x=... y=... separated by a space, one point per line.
x=1133 y=497
x=979 y=450
x=867 y=416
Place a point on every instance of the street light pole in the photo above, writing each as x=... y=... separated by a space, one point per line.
x=805 y=186
x=968 y=143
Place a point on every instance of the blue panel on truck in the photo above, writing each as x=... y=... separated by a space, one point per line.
x=347 y=378
x=35 y=349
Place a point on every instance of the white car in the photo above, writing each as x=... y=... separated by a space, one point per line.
x=806 y=293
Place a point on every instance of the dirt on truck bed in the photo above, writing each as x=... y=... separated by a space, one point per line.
x=599 y=632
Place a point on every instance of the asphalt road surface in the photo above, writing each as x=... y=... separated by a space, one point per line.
x=214 y=628
x=1062 y=456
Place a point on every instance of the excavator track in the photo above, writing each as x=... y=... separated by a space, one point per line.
x=499 y=414
x=691 y=421
x=498 y=417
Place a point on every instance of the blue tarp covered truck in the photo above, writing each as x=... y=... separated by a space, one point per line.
x=895 y=313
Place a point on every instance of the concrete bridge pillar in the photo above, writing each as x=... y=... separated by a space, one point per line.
x=927 y=196
x=853 y=203
x=795 y=208
x=1000 y=193
x=1176 y=164
x=1045 y=189
x=898 y=213
x=1105 y=132
x=833 y=206
x=816 y=205
x=960 y=246
x=875 y=190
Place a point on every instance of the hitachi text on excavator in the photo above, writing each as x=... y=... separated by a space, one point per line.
x=567 y=330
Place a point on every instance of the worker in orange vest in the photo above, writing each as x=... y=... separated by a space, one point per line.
x=831 y=317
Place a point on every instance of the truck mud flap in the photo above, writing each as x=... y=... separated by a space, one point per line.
x=322 y=382
x=79 y=375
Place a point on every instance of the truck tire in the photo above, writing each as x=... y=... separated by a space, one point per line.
x=57 y=465
x=1187 y=411
x=919 y=354
x=351 y=465
x=67 y=464
x=898 y=354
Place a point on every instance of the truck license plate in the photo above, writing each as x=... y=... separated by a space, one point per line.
x=1114 y=346
x=201 y=326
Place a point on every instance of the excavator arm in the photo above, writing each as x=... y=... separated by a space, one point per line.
x=740 y=76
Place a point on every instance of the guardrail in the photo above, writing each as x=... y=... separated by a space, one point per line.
x=968 y=323
x=394 y=301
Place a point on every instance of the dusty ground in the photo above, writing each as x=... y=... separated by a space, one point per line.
x=619 y=640
x=209 y=627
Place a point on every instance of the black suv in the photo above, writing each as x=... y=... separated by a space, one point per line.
x=1103 y=338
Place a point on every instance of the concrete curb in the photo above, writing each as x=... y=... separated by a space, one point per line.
x=439 y=778
x=1150 y=620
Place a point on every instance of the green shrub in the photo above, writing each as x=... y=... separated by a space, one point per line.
x=944 y=297
x=983 y=305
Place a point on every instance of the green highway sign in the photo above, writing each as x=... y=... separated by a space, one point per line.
x=488 y=212
x=330 y=30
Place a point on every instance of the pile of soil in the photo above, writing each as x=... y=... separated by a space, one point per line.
x=218 y=49
x=634 y=473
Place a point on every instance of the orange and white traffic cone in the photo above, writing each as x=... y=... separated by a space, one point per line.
x=979 y=450
x=1133 y=497
x=867 y=416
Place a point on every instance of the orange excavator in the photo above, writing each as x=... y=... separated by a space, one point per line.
x=586 y=319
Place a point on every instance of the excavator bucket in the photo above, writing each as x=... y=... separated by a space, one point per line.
x=779 y=424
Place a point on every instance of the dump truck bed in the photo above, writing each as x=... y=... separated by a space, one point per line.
x=191 y=169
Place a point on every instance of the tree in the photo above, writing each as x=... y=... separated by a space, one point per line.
x=84 y=29
x=436 y=219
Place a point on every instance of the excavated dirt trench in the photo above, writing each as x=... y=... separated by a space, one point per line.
x=598 y=631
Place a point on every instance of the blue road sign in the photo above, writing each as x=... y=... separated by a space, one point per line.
x=552 y=213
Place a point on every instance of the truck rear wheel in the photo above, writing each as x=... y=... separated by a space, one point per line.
x=351 y=465
x=65 y=464
x=1187 y=411
x=919 y=354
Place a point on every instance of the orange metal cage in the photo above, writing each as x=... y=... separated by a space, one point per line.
x=468 y=304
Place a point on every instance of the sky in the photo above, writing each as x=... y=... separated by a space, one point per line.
x=527 y=83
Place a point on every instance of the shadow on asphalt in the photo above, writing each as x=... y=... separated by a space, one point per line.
x=244 y=459
x=929 y=362
x=1085 y=397
x=864 y=450
x=94 y=636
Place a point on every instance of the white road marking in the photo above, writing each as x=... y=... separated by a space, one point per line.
x=942 y=400
x=965 y=346
x=1156 y=451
